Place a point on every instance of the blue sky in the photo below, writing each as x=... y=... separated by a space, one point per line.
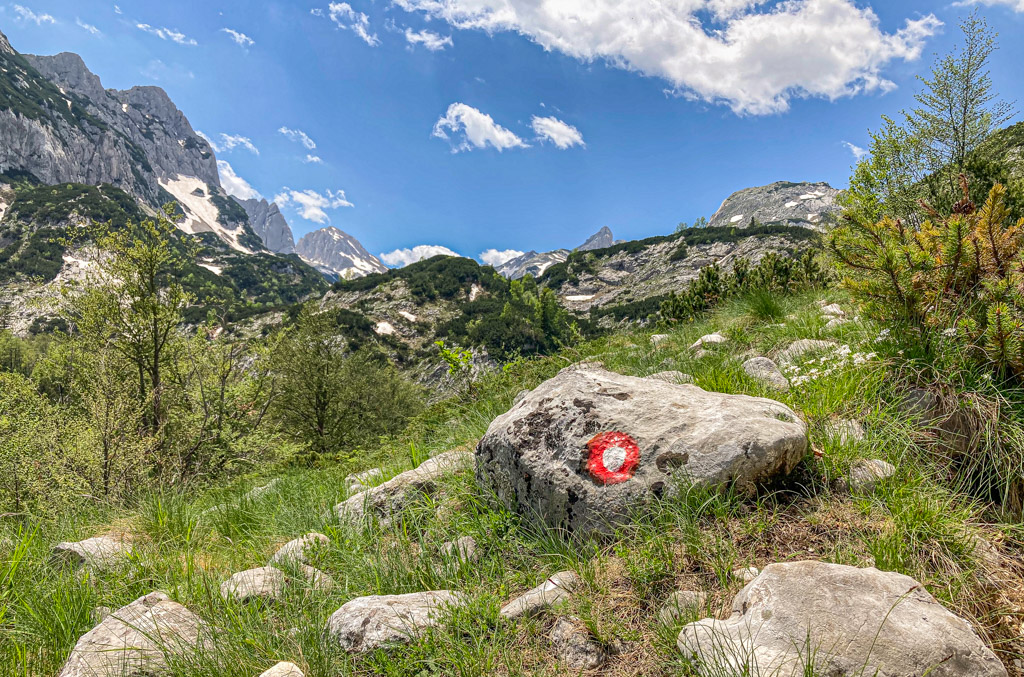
x=517 y=124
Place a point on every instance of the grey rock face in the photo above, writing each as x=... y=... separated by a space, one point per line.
x=132 y=641
x=264 y=584
x=283 y=669
x=588 y=447
x=802 y=204
x=336 y=254
x=767 y=372
x=99 y=552
x=267 y=221
x=531 y=263
x=574 y=646
x=554 y=590
x=599 y=240
x=384 y=500
x=295 y=551
x=859 y=621
x=365 y=623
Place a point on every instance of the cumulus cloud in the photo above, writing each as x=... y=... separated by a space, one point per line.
x=473 y=129
x=232 y=141
x=753 y=56
x=26 y=14
x=235 y=184
x=857 y=151
x=168 y=34
x=344 y=17
x=493 y=257
x=300 y=136
x=310 y=204
x=403 y=257
x=562 y=134
x=431 y=41
x=240 y=39
x=313 y=159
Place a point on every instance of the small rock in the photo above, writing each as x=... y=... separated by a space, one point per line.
x=361 y=481
x=709 y=340
x=845 y=431
x=658 y=339
x=296 y=550
x=802 y=347
x=764 y=370
x=835 y=322
x=264 y=583
x=672 y=377
x=701 y=353
x=555 y=590
x=365 y=623
x=284 y=669
x=865 y=476
x=680 y=602
x=574 y=645
x=463 y=549
x=134 y=641
x=746 y=574
x=833 y=310
x=318 y=580
x=101 y=552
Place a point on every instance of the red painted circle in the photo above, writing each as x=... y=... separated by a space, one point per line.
x=602 y=443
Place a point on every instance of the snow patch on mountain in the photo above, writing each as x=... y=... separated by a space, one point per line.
x=201 y=214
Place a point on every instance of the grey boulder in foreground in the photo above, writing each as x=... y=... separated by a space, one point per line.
x=588 y=447
x=366 y=623
x=857 y=621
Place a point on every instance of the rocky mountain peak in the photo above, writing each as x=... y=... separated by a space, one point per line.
x=782 y=202
x=5 y=46
x=336 y=254
x=68 y=71
x=599 y=240
x=267 y=221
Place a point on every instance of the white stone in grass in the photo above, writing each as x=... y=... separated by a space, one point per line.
x=678 y=603
x=100 y=552
x=135 y=640
x=462 y=549
x=554 y=590
x=859 y=622
x=746 y=574
x=264 y=584
x=574 y=645
x=709 y=340
x=835 y=322
x=318 y=580
x=296 y=549
x=366 y=623
x=284 y=669
x=672 y=377
x=866 y=474
x=362 y=481
x=833 y=310
x=764 y=370
x=802 y=347
x=658 y=339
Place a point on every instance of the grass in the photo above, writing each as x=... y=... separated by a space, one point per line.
x=921 y=523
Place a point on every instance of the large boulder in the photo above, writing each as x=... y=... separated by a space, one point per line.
x=857 y=621
x=588 y=447
x=135 y=640
x=366 y=623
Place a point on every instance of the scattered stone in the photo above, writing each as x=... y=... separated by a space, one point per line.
x=865 y=476
x=366 y=623
x=296 y=550
x=264 y=584
x=463 y=549
x=101 y=552
x=587 y=449
x=387 y=499
x=701 y=353
x=520 y=396
x=318 y=580
x=574 y=645
x=361 y=481
x=132 y=641
x=284 y=669
x=746 y=574
x=678 y=603
x=835 y=322
x=677 y=377
x=764 y=370
x=658 y=339
x=802 y=347
x=554 y=590
x=833 y=310
x=709 y=340
x=860 y=622
x=845 y=431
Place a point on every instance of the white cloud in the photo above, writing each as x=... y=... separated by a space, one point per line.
x=562 y=134
x=342 y=14
x=754 y=59
x=493 y=257
x=403 y=257
x=857 y=151
x=88 y=27
x=310 y=204
x=231 y=141
x=241 y=39
x=300 y=136
x=1015 y=5
x=235 y=184
x=475 y=129
x=117 y=10
x=313 y=159
x=26 y=14
x=168 y=34
x=431 y=41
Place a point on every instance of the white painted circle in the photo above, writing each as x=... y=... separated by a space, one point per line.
x=613 y=458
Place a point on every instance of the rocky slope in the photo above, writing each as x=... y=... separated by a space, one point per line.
x=269 y=224
x=782 y=202
x=337 y=254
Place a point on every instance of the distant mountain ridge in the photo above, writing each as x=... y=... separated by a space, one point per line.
x=337 y=254
x=269 y=224
x=534 y=263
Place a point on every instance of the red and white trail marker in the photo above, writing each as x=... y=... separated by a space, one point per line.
x=613 y=458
